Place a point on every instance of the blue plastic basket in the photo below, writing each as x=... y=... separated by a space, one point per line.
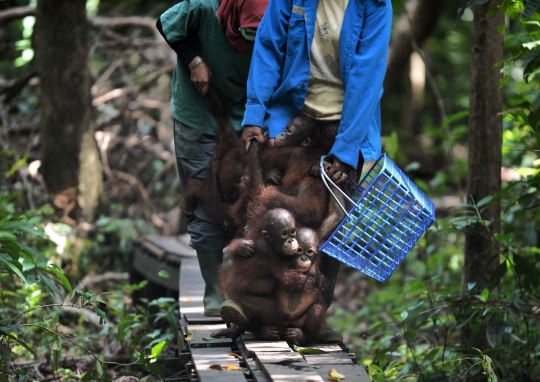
x=386 y=217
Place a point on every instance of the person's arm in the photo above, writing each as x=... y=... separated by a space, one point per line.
x=364 y=88
x=175 y=25
x=267 y=61
x=185 y=53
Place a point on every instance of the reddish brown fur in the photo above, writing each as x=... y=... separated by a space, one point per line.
x=223 y=184
x=251 y=280
x=281 y=296
x=299 y=192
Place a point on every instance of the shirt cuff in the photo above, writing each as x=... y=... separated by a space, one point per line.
x=254 y=115
x=345 y=152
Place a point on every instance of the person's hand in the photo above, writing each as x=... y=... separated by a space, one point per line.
x=200 y=77
x=336 y=169
x=251 y=132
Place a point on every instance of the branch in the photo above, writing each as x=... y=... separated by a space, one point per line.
x=120 y=22
x=16 y=13
x=118 y=40
x=116 y=22
x=89 y=352
x=103 y=143
x=16 y=86
x=133 y=89
x=134 y=181
x=100 y=21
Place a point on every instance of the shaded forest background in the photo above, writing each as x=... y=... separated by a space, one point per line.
x=87 y=168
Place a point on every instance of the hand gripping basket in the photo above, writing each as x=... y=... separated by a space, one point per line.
x=386 y=216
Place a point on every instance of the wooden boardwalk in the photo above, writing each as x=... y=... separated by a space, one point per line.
x=204 y=359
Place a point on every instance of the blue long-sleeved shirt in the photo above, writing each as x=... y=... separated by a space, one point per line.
x=279 y=71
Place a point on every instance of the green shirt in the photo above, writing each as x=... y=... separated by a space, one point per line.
x=195 y=21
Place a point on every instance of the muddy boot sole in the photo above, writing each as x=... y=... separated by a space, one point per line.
x=330 y=336
x=232 y=312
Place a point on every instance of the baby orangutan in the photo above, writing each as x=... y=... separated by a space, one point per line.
x=299 y=295
x=291 y=306
x=248 y=277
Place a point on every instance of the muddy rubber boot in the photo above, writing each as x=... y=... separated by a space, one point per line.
x=209 y=263
x=232 y=312
x=331 y=270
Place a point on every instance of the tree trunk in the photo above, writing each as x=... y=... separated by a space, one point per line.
x=485 y=146
x=413 y=27
x=416 y=23
x=65 y=102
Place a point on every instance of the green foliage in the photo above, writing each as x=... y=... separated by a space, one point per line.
x=20 y=260
x=409 y=328
x=35 y=296
x=531 y=6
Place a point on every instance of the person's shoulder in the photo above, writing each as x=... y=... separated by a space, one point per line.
x=204 y=5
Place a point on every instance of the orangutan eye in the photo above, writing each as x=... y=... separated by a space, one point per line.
x=289 y=131
x=309 y=252
x=293 y=232
x=300 y=250
x=284 y=234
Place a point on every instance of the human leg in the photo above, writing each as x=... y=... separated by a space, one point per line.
x=330 y=269
x=194 y=153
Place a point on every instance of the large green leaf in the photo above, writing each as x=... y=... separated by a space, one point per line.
x=17 y=340
x=495 y=330
x=91 y=376
x=5 y=235
x=13 y=266
x=51 y=285
x=303 y=350
x=54 y=270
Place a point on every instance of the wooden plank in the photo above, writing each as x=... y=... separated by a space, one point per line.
x=206 y=327
x=196 y=335
x=153 y=249
x=202 y=339
x=149 y=266
x=254 y=346
x=200 y=319
x=286 y=367
x=175 y=245
x=352 y=372
x=191 y=287
x=291 y=372
x=328 y=359
x=221 y=376
x=257 y=373
x=329 y=348
x=279 y=358
x=204 y=358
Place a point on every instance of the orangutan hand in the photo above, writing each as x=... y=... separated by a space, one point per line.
x=251 y=132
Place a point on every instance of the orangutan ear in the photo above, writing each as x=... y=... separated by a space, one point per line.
x=306 y=142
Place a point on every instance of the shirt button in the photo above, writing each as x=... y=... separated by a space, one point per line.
x=303 y=85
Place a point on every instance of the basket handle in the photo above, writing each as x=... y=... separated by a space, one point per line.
x=325 y=178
